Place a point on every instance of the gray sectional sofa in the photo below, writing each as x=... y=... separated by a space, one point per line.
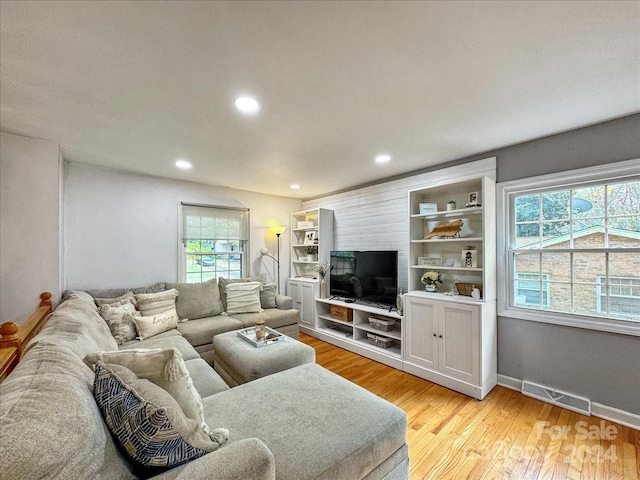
x=301 y=423
x=204 y=304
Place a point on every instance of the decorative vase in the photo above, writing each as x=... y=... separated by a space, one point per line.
x=323 y=289
x=431 y=287
x=399 y=306
x=309 y=258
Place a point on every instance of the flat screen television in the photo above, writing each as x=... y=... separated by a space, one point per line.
x=369 y=276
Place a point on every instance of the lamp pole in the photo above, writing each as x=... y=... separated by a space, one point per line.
x=278 y=230
x=278 y=235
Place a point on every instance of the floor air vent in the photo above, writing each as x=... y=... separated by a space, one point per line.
x=556 y=397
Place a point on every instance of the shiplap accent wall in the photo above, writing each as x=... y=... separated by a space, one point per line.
x=377 y=217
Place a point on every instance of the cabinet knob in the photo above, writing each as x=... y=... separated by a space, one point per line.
x=435 y=335
x=440 y=336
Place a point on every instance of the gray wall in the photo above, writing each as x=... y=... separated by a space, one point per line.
x=604 y=367
x=30 y=173
x=121 y=229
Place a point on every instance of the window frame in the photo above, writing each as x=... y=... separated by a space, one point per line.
x=600 y=284
x=182 y=253
x=621 y=171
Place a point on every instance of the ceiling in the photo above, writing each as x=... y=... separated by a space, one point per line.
x=137 y=85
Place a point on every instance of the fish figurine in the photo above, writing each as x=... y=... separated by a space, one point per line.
x=448 y=230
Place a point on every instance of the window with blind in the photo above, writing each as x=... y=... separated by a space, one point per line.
x=214 y=241
x=572 y=248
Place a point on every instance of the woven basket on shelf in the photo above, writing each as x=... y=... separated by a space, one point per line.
x=467 y=288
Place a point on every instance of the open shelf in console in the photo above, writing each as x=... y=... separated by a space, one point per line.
x=354 y=335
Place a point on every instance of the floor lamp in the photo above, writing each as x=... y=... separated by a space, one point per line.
x=278 y=230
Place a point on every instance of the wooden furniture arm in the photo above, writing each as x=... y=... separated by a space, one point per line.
x=14 y=337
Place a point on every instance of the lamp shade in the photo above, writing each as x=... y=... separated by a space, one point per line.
x=278 y=229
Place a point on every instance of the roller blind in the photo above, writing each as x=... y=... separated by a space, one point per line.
x=215 y=223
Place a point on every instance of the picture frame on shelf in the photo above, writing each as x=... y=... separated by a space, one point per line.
x=430 y=261
x=473 y=200
x=310 y=237
x=426 y=208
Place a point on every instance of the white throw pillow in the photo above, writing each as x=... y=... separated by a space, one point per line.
x=150 y=326
x=153 y=303
x=243 y=297
x=120 y=324
x=165 y=368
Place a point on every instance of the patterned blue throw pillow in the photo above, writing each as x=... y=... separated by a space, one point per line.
x=153 y=431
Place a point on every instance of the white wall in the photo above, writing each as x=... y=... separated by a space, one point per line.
x=30 y=173
x=377 y=217
x=121 y=229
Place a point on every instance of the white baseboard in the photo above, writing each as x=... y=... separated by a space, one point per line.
x=510 y=382
x=627 y=419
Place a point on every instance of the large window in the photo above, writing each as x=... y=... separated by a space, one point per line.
x=572 y=248
x=213 y=242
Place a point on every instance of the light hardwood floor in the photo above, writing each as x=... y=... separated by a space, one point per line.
x=507 y=435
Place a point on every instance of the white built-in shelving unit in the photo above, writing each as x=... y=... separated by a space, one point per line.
x=448 y=338
x=319 y=222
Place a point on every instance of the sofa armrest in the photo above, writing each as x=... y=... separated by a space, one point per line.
x=248 y=458
x=283 y=302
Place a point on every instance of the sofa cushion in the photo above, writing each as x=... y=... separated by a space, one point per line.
x=223 y=282
x=243 y=297
x=165 y=368
x=50 y=425
x=116 y=292
x=169 y=339
x=268 y=296
x=205 y=379
x=349 y=430
x=201 y=331
x=148 y=326
x=151 y=304
x=121 y=325
x=77 y=325
x=146 y=421
x=248 y=459
x=273 y=317
x=197 y=300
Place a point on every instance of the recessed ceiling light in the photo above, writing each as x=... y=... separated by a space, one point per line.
x=384 y=158
x=295 y=186
x=183 y=164
x=247 y=105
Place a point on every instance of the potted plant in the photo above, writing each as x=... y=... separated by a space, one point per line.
x=323 y=270
x=430 y=280
x=312 y=251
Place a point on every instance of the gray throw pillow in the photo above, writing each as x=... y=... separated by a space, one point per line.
x=268 y=296
x=197 y=300
x=129 y=296
x=120 y=324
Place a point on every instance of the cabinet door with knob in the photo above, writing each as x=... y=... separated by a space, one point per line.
x=452 y=343
x=458 y=346
x=421 y=342
x=304 y=293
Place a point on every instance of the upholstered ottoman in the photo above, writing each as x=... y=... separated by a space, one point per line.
x=238 y=362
